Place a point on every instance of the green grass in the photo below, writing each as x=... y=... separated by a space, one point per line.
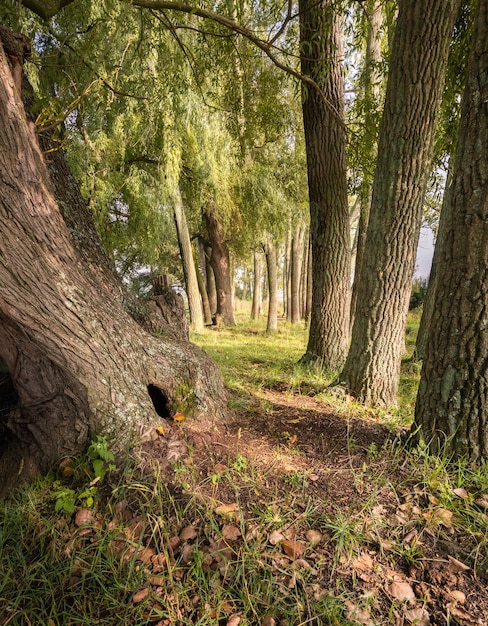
x=158 y=550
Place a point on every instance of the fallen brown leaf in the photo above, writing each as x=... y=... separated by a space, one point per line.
x=230 y=532
x=227 y=510
x=84 y=517
x=401 y=591
x=419 y=617
x=188 y=533
x=140 y=595
x=293 y=549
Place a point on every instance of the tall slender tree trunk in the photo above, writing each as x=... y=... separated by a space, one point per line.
x=188 y=262
x=256 y=292
x=414 y=90
x=80 y=364
x=308 y=308
x=287 y=278
x=325 y=138
x=220 y=262
x=271 y=264
x=372 y=89
x=452 y=403
x=295 y=267
x=210 y=280
x=304 y=274
x=207 y=313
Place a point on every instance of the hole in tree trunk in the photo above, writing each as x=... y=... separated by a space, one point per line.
x=159 y=400
x=8 y=401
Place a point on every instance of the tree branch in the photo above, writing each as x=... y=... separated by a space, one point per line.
x=46 y=9
x=267 y=47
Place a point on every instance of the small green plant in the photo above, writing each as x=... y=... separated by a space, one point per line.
x=98 y=463
x=102 y=458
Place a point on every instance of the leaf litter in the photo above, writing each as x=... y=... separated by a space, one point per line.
x=338 y=535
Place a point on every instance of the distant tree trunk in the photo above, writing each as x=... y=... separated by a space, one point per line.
x=325 y=139
x=271 y=264
x=452 y=403
x=244 y=283
x=304 y=274
x=210 y=280
x=308 y=309
x=296 y=268
x=207 y=313
x=188 y=263
x=256 y=292
x=371 y=85
x=80 y=364
x=287 y=278
x=220 y=262
x=414 y=90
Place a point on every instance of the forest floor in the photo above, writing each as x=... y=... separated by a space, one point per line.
x=301 y=508
x=353 y=529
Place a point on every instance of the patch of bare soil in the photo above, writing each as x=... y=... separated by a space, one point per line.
x=382 y=538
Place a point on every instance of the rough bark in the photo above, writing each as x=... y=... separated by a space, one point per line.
x=325 y=138
x=452 y=403
x=220 y=262
x=256 y=292
x=414 y=90
x=80 y=364
x=371 y=85
x=272 y=268
x=188 y=263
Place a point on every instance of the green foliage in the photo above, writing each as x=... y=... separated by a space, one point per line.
x=99 y=462
x=419 y=291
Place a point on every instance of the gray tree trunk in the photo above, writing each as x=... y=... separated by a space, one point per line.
x=271 y=264
x=325 y=138
x=371 y=86
x=220 y=262
x=414 y=90
x=188 y=263
x=256 y=291
x=452 y=403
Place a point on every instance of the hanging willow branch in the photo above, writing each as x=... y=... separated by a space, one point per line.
x=48 y=8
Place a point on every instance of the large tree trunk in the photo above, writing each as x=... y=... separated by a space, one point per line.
x=325 y=138
x=80 y=364
x=371 y=87
x=188 y=263
x=220 y=262
x=415 y=84
x=452 y=403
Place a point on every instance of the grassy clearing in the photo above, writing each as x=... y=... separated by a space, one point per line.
x=242 y=528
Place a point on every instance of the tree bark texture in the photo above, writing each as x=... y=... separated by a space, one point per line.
x=188 y=263
x=414 y=90
x=325 y=138
x=220 y=262
x=371 y=86
x=80 y=364
x=452 y=403
x=272 y=267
